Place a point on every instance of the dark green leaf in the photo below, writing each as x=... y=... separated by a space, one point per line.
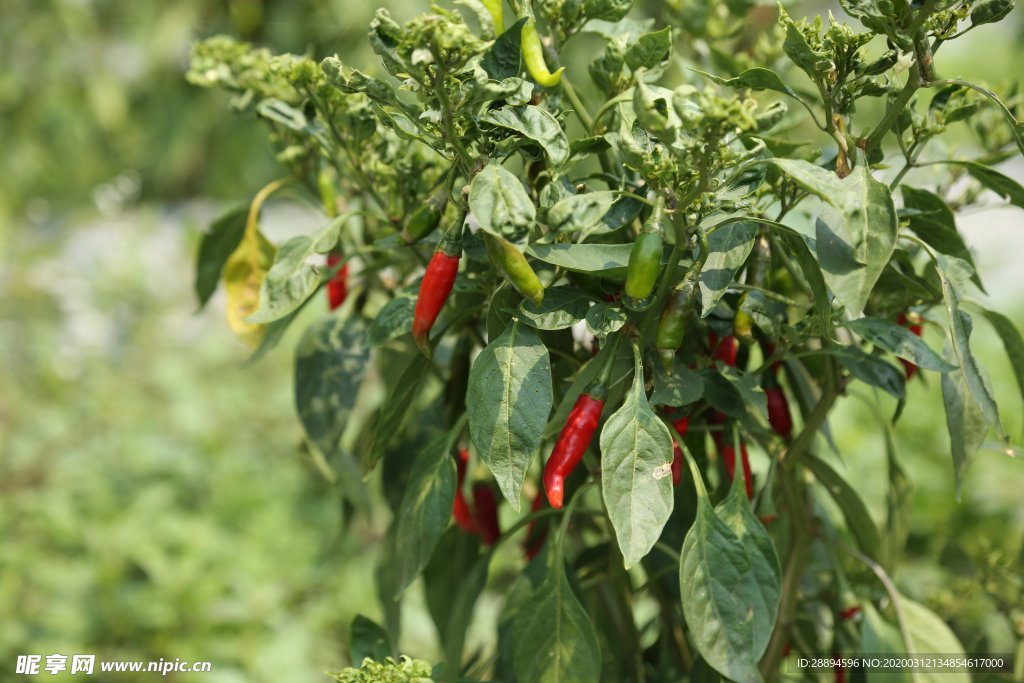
x=562 y=307
x=858 y=519
x=368 y=640
x=330 y=362
x=680 y=387
x=397 y=406
x=500 y=204
x=537 y=125
x=1012 y=342
x=1004 y=186
x=650 y=50
x=872 y=370
x=606 y=10
x=757 y=78
x=604 y=318
x=933 y=221
x=899 y=340
x=636 y=471
x=216 y=245
x=729 y=246
x=508 y=401
x=603 y=260
x=394 y=319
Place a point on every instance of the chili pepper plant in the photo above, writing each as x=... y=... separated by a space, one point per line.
x=589 y=286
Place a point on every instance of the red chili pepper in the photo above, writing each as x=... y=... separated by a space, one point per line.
x=337 y=286
x=434 y=290
x=724 y=349
x=840 y=670
x=849 y=612
x=572 y=443
x=460 y=508
x=485 y=514
x=786 y=649
x=729 y=458
x=916 y=328
x=682 y=425
x=535 y=538
x=778 y=412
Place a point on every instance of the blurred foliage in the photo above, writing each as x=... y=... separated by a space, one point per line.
x=153 y=498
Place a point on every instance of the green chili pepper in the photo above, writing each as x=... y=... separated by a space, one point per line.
x=511 y=263
x=497 y=14
x=426 y=218
x=742 y=323
x=645 y=263
x=675 y=316
x=533 y=55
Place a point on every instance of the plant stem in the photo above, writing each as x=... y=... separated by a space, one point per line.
x=895 y=109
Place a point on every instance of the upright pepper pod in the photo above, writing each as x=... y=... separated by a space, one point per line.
x=460 y=508
x=913 y=322
x=337 y=286
x=575 y=437
x=426 y=218
x=485 y=514
x=674 y=317
x=514 y=267
x=437 y=283
x=533 y=55
x=645 y=262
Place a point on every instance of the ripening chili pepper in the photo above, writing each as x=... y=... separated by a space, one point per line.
x=724 y=349
x=512 y=264
x=674 y=317
x=645 y=263
x=682 y=425
x=437 y=285
x=426 y=218
x=337 y=286
x=497 y=12
x=575 y=438
x=535 y=537
x=839 y=669
x=460 y=508
x=778 y=412
x=533 y=55
x=729 y=459
x=743 y=324
x=912 y=323
x=485 y=514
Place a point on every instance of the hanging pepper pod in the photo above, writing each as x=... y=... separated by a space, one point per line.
x=437 y=284
x=724 y=349
x=682 y=425
x=913 y=322
x=742 y=323
x=533 y=55
x=575 y=437
x=645 y=262
x=514 y=267
x=337 y=286
x=779 y=416
x=426 y=218
x=497 y=12
x=485 y=514
x=460 y=508
x=675 y=316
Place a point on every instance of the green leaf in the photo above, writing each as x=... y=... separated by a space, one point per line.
x=1012 y=342
x=856 y=240
x=602 y=260
x=881 y=637
x=801 y=247
x=449 y=581
x=728 y=248
x=636 y=471
x=650 y=50
x=950 y=272
x=872 y=370
x=899 y=340
x=680 y=387
x=580 y=211
x=397 y=406
x=858 y=519
x=757 y=78
x=933 y=221
x=330 y=362
x=730 y=591
x=813 y=62
x=469 y=587
x=368 y=639
x=500 y=204
x=537 y=125
x=509 y=399
x=562 y=307
x=816 y=180
x=554 y=641
x=1004 y=186
x=965 y=423
x=606 y=10
x=737 y=514
x=216 y=245
x=394 y=318
x=929 y=633
x=424 y=513
x=503 y=59
x=604 y=318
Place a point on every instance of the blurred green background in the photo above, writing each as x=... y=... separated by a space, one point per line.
x=154 y=501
